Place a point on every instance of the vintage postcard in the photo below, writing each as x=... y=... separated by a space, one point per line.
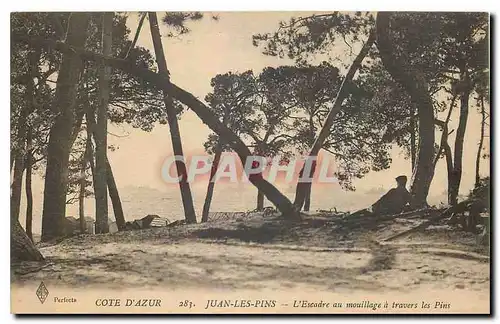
x=250 y=162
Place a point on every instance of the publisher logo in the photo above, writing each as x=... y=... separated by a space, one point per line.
x=42 y=292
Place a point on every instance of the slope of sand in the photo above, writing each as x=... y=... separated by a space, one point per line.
x=256 y=255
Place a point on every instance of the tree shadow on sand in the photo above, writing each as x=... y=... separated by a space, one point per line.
x=263 y=234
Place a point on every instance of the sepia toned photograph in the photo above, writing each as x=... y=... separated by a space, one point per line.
x=259 y=162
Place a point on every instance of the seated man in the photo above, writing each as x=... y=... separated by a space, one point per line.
x=394 y=201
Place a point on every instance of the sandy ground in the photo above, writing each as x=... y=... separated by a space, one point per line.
x=260 y=253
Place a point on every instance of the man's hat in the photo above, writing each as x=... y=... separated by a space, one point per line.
x=401 y=178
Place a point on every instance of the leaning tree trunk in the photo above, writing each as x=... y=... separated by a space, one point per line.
x=21 y=247
x=115 y=198
x=459 y=140
x=283 y=204
x=211 y=184
x=481 y=141
x=187 y=199
x=100 y=130
x=58 y=151
x=416 y=86
x=136 y=36
x=303 y=187
x=29 y=191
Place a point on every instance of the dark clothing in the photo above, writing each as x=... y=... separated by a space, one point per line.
x=393 y=202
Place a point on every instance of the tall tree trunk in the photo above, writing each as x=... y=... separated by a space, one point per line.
x=81 y=203
x=283 y=204
x=19 y=159
x=78 y=125
x=56 y=176
x=29 y=191
x=187 y=199
x=91 y=129
x=83 y=183
x=22 y=247
x=445 y=148
x=307 y=203
x=459 y=139
x=449 y=169
x=416 y=86
x=211 y=184
x=100 y=131
x=303 y=187
x=20 y=156
x=413 y=140
x=16 y=187
x=89 y=116
x=312 y=134
x=13 y=154
x=260 y=200
x=481 y=141
x=110 y=179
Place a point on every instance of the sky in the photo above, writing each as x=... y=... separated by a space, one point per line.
x=214 y=47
